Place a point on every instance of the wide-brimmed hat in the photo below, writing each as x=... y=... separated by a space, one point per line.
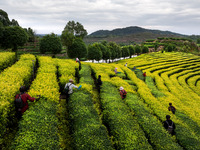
x=70 y=80
x=121 y=88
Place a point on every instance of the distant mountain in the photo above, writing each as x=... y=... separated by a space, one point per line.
x=129 y=31
x=40 y=35
x=129 y=35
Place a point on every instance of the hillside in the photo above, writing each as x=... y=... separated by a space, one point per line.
x=96 y=117
x=129 y=31
x=129 y=35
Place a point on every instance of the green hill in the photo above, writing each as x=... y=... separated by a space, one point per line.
x=129 y=35
x=129 y=31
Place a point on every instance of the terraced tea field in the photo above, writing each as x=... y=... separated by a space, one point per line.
x=100 y=119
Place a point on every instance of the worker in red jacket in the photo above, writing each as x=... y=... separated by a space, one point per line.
x=144 y=74
x=122 y=92
x=21 y=101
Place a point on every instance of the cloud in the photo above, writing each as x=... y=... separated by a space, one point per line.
x=46 y=16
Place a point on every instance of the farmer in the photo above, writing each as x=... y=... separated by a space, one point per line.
x=79 y=64
x=122 y=92
x=115 y=70
x=77 y=60
x=144 y=74
x=99 y=82
x=126 y=65
x=134 y=68
x=169 y=125
x=69 y=88
x=24 y=101
x=171 y=108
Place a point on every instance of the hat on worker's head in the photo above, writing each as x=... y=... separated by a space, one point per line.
x=70 y=80
x=121 y=88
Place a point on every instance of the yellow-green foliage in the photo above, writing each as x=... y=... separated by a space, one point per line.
x=6 y=59
x=118 y=82
x=104 y=70
x=198 y=85
x=159 y=106
x=46 y=83
x=170 y=72
x=192 y=81
x=40 y=121
x=171 y=87
x=175 y=75
x=11 y=79
x=63 y=126
x=113 y=66
x=14 y=77
x=66 y=70
x=87 y=87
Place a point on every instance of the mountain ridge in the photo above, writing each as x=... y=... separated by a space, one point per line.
x=130 y=30
x=130 y=35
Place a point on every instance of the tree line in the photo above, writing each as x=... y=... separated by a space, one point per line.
x=12 y=34
x=72 y=38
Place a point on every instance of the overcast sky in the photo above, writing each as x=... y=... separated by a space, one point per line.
x=47 y=16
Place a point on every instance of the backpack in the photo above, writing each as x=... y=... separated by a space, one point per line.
x=99 y=82
x=172 y=108
x=67 y=89
x=124 y=93
x=170 y=128
x=19 y=102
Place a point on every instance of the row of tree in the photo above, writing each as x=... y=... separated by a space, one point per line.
x=111 y=51
x=72 y=38
x=11 y=34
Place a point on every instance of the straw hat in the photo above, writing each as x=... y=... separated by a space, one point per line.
x=121 y=88
x=70 y=80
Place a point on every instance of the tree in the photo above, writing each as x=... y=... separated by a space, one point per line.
x=105 y=51
x=31 y=34
x=170 y=47
x=108 y=55
x=198 y=41
x=50 y=43
x=14 y=23
x=111 y=46
x=115 y=50
x=131 y=50
x=71 y=31
x=125 y=51
x=145 y=49
x=104 y=42
x=94 y=52
x=77 y=49
x=137 y=49
x=76 y=29
x=119 y=51
x=1 y=32
x=13 y=37
x=156 y=45
x=67 y=38
x=4 y=18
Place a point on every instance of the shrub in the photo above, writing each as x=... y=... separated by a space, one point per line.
x=77 y=49
x=50 y=43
